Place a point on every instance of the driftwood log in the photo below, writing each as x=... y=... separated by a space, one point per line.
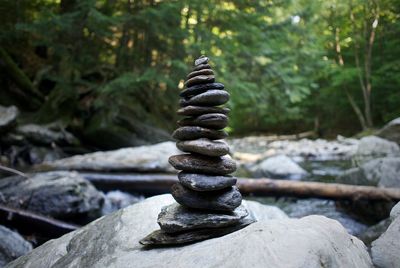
x=160 y=183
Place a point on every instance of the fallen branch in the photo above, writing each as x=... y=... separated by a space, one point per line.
x=160 y=183
x=13 y=171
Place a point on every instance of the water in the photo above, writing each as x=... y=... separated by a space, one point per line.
x=322 y=171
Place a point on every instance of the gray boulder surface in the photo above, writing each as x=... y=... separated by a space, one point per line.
x=371 y=147
x=12 y=246
x=391 y=131
x=279 y=166
x=113 y=241
x=8 y=117
x=54 y=194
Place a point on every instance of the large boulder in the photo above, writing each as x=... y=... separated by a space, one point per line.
x=391 y=131
x=152 y=158
x=8 y=117
x=55 y=194
x=279 y=166
x=113 y=241
x=372 y=147
x=385 y=250
x=12 y=246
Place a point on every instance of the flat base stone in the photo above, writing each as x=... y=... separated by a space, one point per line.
x=176 y=218
x=159 y=238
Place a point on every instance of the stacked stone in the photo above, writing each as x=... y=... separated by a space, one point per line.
x=209 y=203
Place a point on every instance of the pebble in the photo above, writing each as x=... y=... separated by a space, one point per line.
x=200 y=72
x=201 y=67
x=201 y=60
x=199 y=110
x=200 y=79
x=197 y=89
x=204 y=146
x=203 y=164
x=202 y=182
x=194 y=132
x=213 y=121
x=208 y=98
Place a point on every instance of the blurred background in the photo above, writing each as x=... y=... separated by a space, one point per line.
x=87 y=76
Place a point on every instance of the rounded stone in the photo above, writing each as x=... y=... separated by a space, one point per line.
x=202 y=182
x=176 y=218
x=200 y=72
x=209 y=98
x=201 y=67
x=199 y=110
x=198 y=89
x=200 y=79
x=194 y=132
x=224 y=200
x=203 y=164
x=201 y=60
x=204 y=146
x=213 y=121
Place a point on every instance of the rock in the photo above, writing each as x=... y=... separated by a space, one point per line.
x=203 y=164
x=194 y=132
x=213 y=121
x=8 y=118
x=197 y=89
x=202 y=66
x=395 y=211
x=152 y=158
x=175 y=218
x=200 y=79
x=279 y=166
x=204 y=146
x=373 y=232
x=211 y=97
x=200 y=72
x=225 y=200
x=372 y=147
x=312 y=242
x=201 y=60
x=202 y=182
x=391 y=131
x=47 y=135
x=56 y=194
x=385 y=250
x=199 y=110
x=115 y=200
x=12 y=246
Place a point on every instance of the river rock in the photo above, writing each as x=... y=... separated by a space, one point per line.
x=204 y=146
x=149 y=158
x=312 y=242
x=202 y=66
x=201 y=88
x=194 y=132
x=47 y=134
x=115 y=200
x=200 y=79
x=201 y=60
x=55 y=194
x=200 y=72
x=211 y=97
x=372 y=147
x=391 y=131
x=279 y=166
x=395 y=211
x=175 y=218
x=203 y=164
x=385 y=250
x=202 y=182
x=8 y=118
x=225 y=200
x=213 y=121
x=12 y=246
x=199 y=110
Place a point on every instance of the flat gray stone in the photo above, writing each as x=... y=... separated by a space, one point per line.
x=194 y=132
x=202 y=182
x=211 y=97
x=200 y=79
x=223 y=200
x=203 y=164
x=204 y=146
x=176 y=218
x=199 y=110
x=201 y=60
x=200 y=72
x=197 y=89
x=213 y=121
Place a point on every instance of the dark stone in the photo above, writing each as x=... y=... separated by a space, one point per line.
x=47 y=134
x=201 y=79
x=223 y=200
x=208 y=98
x=191 y=133
x=203 y=164
x=12 y=246
x=214 y=121
x=201 y=67
x=198 y=89
x=176 y=218
x=199 y=110
x=202 y=182
x=201 y=60
x=160 y=238
x=200 y=72
x=204 y=146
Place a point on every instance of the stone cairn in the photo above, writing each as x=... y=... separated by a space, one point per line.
x=209 y=203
